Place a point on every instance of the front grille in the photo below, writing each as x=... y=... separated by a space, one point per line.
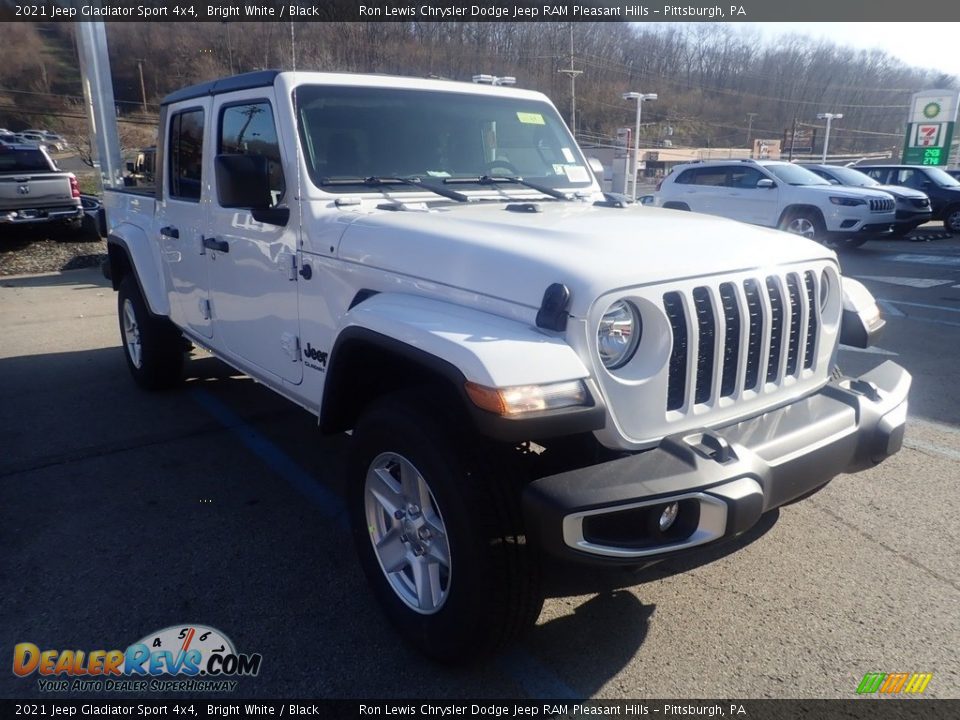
x=878 y=205
x=740 y=335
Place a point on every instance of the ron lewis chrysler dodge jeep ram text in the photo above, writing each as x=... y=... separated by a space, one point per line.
x=529 y=367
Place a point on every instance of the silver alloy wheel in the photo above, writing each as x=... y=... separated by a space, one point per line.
x=131 y=334
x=802 y=226
x=407 y=532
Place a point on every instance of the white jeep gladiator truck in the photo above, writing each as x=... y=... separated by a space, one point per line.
x=530 y=368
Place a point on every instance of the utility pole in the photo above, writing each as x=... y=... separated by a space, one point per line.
x=750 y=117
x=793 y=139
x=826 y=138
x=143 y=87
x=573 y=87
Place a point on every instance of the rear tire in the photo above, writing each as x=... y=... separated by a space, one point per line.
x=469 y=584
x=152 y=345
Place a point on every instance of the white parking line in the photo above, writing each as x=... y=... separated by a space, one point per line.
x=905 y=281
x=869 y=350
x=928 y=306
x=925 y=259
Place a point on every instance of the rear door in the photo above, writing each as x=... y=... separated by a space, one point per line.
x=253 y=265
x=180 y=214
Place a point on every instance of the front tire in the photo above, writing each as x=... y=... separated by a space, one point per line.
x=152 y=345
x=437 y=526
x=951 y=220
x=806 y=223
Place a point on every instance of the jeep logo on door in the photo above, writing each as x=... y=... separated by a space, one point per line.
x=319 y=357
x=23 y=189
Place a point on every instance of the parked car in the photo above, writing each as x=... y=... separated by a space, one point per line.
x=942 y=188
x=58 y=142
x=34 y=192
x=529 y=367
x=913 y=206
x=953 y=172
x=781 y=195
x=32 y=139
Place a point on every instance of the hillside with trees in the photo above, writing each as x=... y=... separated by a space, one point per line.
x=709 y=76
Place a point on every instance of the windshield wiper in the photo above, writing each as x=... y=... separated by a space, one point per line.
x=488 y=180
x=375 y=181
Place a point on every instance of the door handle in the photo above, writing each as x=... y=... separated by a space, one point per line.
x=170 y=232
x=211 y=243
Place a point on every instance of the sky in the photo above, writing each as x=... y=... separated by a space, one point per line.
x=925 y=45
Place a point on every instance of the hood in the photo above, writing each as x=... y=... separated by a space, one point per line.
x=899 y=191
x=514 y=255
x=849 y=191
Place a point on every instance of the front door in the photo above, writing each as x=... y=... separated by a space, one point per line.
x=253 y=268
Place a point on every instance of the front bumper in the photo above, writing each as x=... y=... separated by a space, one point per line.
x=722 y=480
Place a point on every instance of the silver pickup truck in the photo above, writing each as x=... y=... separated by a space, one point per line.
x=33 y=191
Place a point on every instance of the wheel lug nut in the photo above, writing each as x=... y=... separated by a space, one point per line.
x=399 y=514
x=424 y=533
x=418 y=550
x=404 y=538
x=414 y=510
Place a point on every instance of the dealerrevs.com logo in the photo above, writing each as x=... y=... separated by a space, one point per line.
x=180 y=658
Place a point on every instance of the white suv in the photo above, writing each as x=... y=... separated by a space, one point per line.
x=781 y=195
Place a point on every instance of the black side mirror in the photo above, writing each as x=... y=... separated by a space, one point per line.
x=243 y=181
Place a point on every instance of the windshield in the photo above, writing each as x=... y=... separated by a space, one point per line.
x=795 y=175
x=849 y=176
x=941 y=178
x=358 y=133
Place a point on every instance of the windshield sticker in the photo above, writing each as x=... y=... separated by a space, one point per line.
x=529 y=118
x=438 y=173
x=576 y=173
x=559 y=169
x=567 y=155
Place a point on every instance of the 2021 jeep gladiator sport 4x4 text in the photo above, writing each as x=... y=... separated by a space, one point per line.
x=529 y=368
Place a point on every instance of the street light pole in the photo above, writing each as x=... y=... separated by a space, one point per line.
x=640 y=98
x=826 y=138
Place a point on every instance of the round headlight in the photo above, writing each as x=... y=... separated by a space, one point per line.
x=618 y=334
x=824 y=290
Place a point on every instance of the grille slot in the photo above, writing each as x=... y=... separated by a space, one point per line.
x=796 y=313
x=810 y=346
x=676 y=381
x=731 y=341
x=776 y=328
x=755 y=309
x=706 y=329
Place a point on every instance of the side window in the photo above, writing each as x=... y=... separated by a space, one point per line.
x=910 y=178
x=687 y=177
x=714 y=176
x=186 y=155
x=745 y=177
x=878 y=174
x=249 y=129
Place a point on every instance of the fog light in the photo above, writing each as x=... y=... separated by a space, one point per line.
x=668 y=516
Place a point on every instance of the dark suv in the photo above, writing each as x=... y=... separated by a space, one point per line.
x=942 y=189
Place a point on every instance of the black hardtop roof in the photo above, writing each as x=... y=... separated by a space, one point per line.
x=245 y=81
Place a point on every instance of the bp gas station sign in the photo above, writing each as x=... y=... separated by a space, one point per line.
x=933 y=114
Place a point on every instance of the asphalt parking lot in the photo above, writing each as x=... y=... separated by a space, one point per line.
x=122 y=513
